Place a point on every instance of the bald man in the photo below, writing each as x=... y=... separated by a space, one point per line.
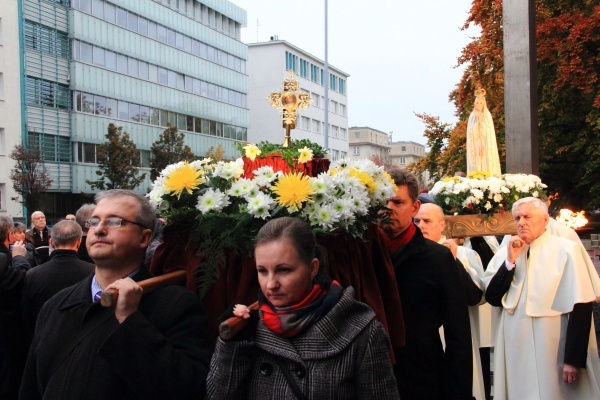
x=430 y=219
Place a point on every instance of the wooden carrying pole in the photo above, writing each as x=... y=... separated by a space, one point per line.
x=229 y=328
x=109 y=297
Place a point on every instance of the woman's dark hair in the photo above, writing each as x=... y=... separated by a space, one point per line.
x=295 y=231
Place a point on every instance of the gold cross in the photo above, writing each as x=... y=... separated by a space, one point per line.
x=288 y=102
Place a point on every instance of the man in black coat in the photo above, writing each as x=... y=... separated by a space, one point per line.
x=151 y=347
x=39 y=236
x=432 y=295
x=62 y=270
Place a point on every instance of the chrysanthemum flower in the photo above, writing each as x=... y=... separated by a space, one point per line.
x=183 y=178
x=212 y=200
x=292 y=190
x=306 y=155
x=251 y=151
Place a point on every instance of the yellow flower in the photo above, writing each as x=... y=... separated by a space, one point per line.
x=478 y=175
x=292 y=190
x=455 y=179
x=251 y=151
x=365 y=179
x=306 y=155
x=183 y=178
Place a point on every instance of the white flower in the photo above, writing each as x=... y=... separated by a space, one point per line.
x=212 y=200
x=260 y=205
x=488 y=205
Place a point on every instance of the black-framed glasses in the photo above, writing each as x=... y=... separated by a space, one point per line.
x=110 y=222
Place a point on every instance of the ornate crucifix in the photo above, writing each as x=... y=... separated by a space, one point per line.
x=288 y=102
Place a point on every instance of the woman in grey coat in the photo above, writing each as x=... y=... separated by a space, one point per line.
x=310 y=338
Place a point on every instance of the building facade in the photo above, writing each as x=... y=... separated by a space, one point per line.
x=268 y=64
x=10 y=102
x=405 y=153
x=140 y=64
x=369 y=143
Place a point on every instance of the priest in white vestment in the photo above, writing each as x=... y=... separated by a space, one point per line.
x=545 y=345
x=430 y=219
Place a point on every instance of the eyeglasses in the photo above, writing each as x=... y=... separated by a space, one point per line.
x=110 y=222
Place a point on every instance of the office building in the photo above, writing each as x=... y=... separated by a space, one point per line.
x=140 y=64
x=369 y=143
x=268 y=65
x=403 y=153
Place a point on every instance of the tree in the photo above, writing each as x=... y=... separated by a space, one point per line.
x=29 y=176
x=215 y=154
x=118 y=159
x=437 y=134
x=169 y=149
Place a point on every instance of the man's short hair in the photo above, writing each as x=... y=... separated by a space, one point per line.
x=534 y=202
x=33 y=214
x=83 y=214
x=403 y=177
x=6 y=227
x=145 y=216
x=65 y=232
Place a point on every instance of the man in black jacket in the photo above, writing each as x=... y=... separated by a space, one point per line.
x=151 y=347
x=62 y=270
x=432 y=295
x=39 y=236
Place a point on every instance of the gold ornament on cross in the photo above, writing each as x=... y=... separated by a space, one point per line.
x=288 y=102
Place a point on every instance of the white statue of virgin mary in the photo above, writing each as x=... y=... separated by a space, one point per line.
x=482 y=149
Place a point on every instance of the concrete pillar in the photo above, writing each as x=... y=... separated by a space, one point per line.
x=520 y=87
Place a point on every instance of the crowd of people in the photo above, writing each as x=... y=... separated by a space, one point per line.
x=307 y=337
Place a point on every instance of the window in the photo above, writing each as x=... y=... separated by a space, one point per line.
x=290 y=62
x=121 y=17
x=342 y=86
x=110 y=60
x=305 y=123
x=2 y=142
x=356 y=135
x=403 y=149
x=45 y=93
x=316 y=126
x=342 y=110
x=356 y=151
x=51 y=147
x=122 y=64
x=86 y=52
x=98 y=8
x=143 y=26
x=86 y=153
x=1 y=86
x=343 y=133
x=335 y=131
x=333 y=107
x=402 y=160
x=332 y=82
x=110 y=12
x=98 y=56
x=316 y=99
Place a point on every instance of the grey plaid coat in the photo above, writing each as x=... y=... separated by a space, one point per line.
x=342 y=356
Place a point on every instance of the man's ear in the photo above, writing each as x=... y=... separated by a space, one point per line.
x=51 y=242
x=146 y=237
x=416 y=207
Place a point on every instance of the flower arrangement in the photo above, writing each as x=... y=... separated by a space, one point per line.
x=480 y=193
x=299 y=151
x=223 y=210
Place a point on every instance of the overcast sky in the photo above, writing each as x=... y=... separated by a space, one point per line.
x=400 y=55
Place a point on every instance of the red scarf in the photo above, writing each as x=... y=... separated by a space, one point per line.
x=292 y=320
x=401 y=240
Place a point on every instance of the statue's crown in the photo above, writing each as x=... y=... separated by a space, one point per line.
x=480 y=92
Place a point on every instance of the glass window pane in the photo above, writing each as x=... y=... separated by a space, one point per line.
x=213 y=128
x=144 y=114
x=172 y=79
x=197 y=125
x=123 y=110
x=188 y=84
x=122 y=63
x=181 y=122
x=87 y=103
x=164 y=117
x=187 y=44
x=110 y=59
x=163 y=76
x=171 y=37
x=178 y=40
x=219 y=129
x=162 y=34
x=98 y=8
x=110 y=12
x=89 y=153
x=86 y=52
x=143 y=26
x=134 y=112
x=132 y=67
x=153 y=73
x=132 y=21
x=212 y=91
x=145 y=158
x=180 y=82
x=172 y=118
x=196 y=87
x=85 y=6
x=196 y=48
x=204 y=89
x=152 y=30
x=143 y=70
x=203 y=51
x=155 y=116
x=98 y=56
x=111 y=108
x=212 y=54
x=190 y=123
x=205 y=126
x=122 y=17
x=79 y=151
x=100 y=105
